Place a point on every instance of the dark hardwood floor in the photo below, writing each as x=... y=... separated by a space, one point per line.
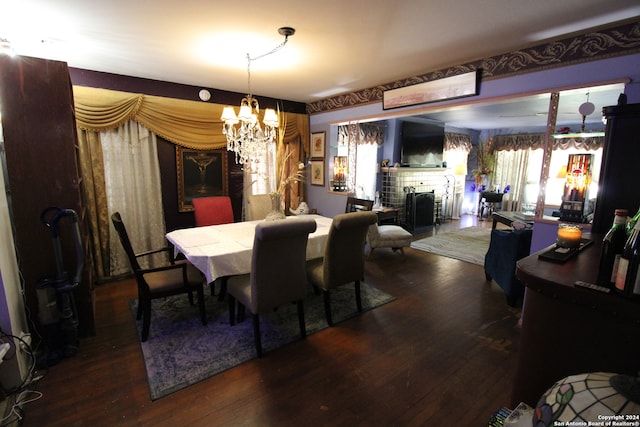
x=442 y=354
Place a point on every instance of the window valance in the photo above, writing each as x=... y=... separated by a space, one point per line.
x=457 y=142
x=366 y=133
x=591 y=143
x=536 y=141
x=190 y=124
x=371 y=134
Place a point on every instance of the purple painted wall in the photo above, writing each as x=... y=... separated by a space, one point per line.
x=585 y=74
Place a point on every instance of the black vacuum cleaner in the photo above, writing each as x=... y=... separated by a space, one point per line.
x=57 y=311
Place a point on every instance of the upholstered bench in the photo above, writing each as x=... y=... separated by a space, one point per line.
x=388 y=236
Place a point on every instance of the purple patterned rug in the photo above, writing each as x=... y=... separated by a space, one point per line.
x=181 y=351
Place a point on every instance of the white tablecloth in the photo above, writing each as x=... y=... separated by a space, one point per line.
x=225 y=250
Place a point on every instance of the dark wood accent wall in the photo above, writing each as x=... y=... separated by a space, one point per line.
x=168 y=177
x=40 y=145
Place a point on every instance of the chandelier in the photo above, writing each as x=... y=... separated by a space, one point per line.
x=246 y=137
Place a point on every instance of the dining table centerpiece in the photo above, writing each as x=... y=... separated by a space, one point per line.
x=287 y=176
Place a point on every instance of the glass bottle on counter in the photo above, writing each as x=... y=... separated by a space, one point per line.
x=632 y=222
x=627 y=279
x=612 y=248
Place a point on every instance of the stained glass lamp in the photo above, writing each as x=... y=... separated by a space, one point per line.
x=588 y=397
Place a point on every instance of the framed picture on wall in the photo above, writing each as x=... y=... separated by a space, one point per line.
x=317 y=145
x=201 y=173
x=458 y=86
x=317 y=172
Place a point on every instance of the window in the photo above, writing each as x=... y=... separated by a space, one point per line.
x=555 y=182
x=363 y=141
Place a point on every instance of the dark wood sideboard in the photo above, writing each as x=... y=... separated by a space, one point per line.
x=569 y=330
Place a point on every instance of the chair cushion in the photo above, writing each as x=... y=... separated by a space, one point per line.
x=240 y=288
x=315 y=272
x=167 y=280
x=389 y=236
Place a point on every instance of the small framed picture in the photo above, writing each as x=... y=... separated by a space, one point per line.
x=317 y=172
x=317 y=145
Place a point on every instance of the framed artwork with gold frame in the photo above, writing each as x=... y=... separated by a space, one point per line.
x=317 y=145
x=317 y=172
x=201 y=173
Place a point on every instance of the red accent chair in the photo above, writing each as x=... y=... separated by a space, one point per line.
x=212 y=210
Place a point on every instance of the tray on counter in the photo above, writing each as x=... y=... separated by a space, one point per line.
x=557 y=254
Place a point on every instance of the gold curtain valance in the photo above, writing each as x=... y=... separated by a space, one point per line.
x=191 y=124
x=187 y=123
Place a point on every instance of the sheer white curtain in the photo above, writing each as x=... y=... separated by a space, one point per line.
x=511 y=170
x=260 y=177
x=367 y=163
x=132 y=179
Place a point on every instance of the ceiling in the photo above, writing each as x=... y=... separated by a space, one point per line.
x=339 y=45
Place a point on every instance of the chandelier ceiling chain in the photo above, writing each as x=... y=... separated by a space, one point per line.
x=245 y=136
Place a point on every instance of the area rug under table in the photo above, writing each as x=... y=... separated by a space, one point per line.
x=181 y=351
x=467 y=244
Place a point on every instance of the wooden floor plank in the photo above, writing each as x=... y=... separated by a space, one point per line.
x=443 y=353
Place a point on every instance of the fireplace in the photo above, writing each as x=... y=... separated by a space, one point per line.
x=419 y=208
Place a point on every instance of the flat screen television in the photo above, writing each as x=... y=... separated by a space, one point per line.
x=422 y=144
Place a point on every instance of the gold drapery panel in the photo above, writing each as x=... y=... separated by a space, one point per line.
x=296 y=130
x=457 y=142
x=190 y=124
x=536 y=141
x=293 y=145
x=94 y=196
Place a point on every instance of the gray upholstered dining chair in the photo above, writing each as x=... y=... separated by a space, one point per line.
x=179 y=277
x=343 y=260
x=278 y=272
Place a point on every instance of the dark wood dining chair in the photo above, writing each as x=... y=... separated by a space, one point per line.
x=278 y=272
x=356 y=205
x=179 y=277
x=344 y=257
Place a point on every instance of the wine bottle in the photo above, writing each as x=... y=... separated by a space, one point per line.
x=632 y=222
x=612 y=248
x=627 y=278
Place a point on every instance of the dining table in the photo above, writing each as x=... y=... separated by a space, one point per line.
x=225 y=250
